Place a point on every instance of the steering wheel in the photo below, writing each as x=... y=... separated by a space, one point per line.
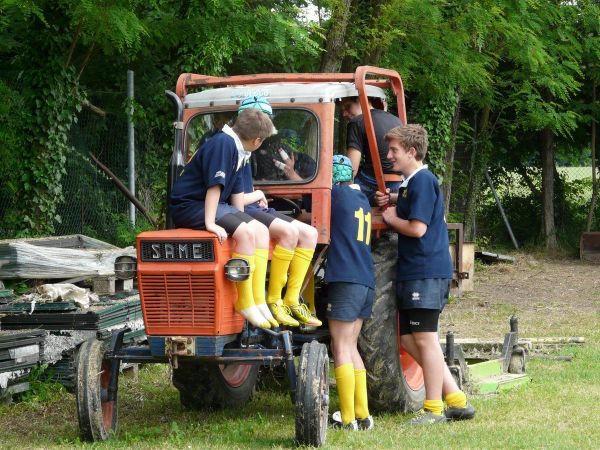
x=286 y=206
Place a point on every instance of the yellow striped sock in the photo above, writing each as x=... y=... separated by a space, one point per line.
x=261 y=258
x=280 y=263
x=344 y=377
x=298 y=268
x=434 y=406
x=456 y=399
x=245 y=298
x=361 y=402
x=309 y=295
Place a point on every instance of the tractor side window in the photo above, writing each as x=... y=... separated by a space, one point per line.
x=202 y=127
x=292 y=154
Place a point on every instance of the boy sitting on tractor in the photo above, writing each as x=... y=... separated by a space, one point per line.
x=296 y=242
x=209 y=195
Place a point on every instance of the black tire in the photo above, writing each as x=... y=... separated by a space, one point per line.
x=394 y=379
x=97 y=416
x=312 y=395
x=203 y=386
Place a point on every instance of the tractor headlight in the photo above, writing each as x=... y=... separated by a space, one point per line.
x=237 y=269
x=125 y=267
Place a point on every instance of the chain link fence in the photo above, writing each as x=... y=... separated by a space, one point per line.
x=92 y=204
x=520 y=198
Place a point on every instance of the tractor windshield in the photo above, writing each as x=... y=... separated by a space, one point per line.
x=290 y=156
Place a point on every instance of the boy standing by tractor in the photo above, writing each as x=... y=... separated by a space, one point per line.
x=296 y=242
x=209 y=195
x=424 y=270
x=351 y=291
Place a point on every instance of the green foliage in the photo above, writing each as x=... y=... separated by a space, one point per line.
x=41 y=390
x=436 y=114
x=126 y=233
x=510 y=68
x=58 y=99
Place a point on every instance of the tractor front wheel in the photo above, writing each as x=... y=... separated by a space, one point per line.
x=97 y=412
x=312 y=395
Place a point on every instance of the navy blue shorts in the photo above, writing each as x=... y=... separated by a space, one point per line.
x=191 y=215
x=349 y=301
x=430 y=293
x=266 y=216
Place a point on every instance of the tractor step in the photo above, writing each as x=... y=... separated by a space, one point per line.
x=486 y=369
x=488 y=377
x=499 y=383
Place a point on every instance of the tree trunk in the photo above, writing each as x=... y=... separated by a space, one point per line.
x=478 y=165
x=547 y=159
x=331 y=60
x=590 y=217
x=449 y=159
x=377 y=24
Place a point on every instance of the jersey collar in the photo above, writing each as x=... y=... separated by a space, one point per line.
x=407 y=179
x=243 y=155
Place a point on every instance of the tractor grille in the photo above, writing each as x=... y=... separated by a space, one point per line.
x=175 y=251
x=171 y=300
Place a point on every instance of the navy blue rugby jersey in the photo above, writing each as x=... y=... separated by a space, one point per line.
x=349 y=256
x=427 y=256
x=248 y=184
x=215 y=163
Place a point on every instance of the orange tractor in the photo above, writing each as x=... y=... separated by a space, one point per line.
x=186 y=279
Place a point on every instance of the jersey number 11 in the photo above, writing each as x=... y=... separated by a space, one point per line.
x=361 y=236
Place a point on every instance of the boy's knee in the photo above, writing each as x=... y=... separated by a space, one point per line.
x=290 y=234
x=425 y=339
x=258 y=228
x=310 y=233
x=244 y=233
x=260 y=233
x=406 y=340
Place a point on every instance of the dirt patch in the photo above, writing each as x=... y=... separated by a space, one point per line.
x=550 y=298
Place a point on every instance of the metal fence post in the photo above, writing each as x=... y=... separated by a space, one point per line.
x=131 y=142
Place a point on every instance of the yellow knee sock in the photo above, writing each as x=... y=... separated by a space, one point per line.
x=261 y=258
x=344 y=377
x=434 y=406
x=456 y=399
x=245 y=301
x=309 y=295
x=280 y=263
x=298 y=268
x=361 y=403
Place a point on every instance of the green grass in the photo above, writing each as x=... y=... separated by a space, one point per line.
x=558 y=409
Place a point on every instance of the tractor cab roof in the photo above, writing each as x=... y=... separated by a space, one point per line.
x=325 y=92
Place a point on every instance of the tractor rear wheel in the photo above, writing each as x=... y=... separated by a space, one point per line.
x=96 y=412
x=312 y=395
x=395 y=380
x=204 y=386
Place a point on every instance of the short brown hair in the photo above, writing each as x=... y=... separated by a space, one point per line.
x=410 y=135
x=252 y=123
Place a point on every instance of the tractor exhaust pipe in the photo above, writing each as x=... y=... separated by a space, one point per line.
x=177 y=157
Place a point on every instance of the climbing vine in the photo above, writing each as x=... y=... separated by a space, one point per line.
x=436 y=115
x=54 y=101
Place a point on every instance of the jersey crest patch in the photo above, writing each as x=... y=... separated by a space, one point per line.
x=219 y=174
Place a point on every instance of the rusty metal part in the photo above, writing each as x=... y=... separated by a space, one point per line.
x=119 y=184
